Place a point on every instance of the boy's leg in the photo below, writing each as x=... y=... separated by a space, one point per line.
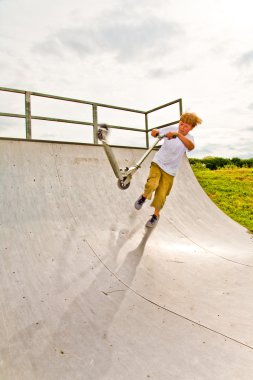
x=151 y=185
x=152 y=181
x=162 y=192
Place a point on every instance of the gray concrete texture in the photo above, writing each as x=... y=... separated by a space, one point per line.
x=87 y=292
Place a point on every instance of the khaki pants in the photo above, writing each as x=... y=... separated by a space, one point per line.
x=160 y=182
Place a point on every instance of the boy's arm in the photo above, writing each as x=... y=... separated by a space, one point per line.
x=163 y=131
x=171 y=135
x=187 y=142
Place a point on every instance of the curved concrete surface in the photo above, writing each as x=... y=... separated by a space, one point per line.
x=86 y=292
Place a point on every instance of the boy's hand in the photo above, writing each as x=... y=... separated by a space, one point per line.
x=171 y=135
x=154 y=132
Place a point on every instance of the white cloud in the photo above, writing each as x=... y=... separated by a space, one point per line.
x=127 y=33
x=246 y=59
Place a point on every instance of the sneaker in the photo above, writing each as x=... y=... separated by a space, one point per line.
x=152 y=221
x=138 y=204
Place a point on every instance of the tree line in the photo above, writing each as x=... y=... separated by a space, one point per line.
x=214 y=163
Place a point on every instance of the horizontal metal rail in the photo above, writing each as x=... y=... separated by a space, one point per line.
x=164 y=105
x=12 y=115
x=72 y=100
x=126 y=128
x=15 y=115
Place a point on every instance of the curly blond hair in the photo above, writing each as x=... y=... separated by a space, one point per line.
x=190 y=118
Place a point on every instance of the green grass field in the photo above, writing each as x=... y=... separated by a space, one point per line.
x=231 y=189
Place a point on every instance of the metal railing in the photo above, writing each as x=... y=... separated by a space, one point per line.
x=95 y=106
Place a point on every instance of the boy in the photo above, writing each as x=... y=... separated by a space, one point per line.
x=166 y=161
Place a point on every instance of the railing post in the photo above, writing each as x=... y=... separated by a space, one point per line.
x=180 y=107
x=28 y=115
x=146 y=125
x=95 y=123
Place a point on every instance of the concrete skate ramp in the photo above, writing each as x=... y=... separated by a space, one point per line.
x=87 y=292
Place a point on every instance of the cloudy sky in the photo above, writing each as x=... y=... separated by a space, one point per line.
x=135 y=54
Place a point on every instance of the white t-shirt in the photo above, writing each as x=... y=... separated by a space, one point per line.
x=171 y=152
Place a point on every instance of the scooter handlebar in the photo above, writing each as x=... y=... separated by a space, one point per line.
x=160 y=137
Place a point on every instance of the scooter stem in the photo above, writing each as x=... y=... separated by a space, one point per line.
x=138 y=164
x=112 y=160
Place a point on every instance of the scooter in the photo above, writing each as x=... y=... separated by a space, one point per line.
x=124 y=176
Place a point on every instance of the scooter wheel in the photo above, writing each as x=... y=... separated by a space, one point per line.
x=122 y=185
x=100 y=134
x=102 y=131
